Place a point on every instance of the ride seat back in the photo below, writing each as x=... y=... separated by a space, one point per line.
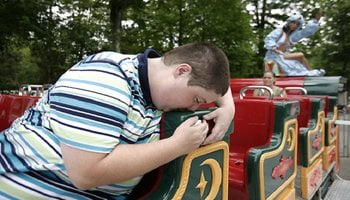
x=305 y=109
x=253 y=121
x=326 y=106
x=253 y=126
x=12 y=107
x=237 y=84
x=166 y=181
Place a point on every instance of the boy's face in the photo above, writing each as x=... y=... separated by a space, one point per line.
x=176 y=94
x=187 y=98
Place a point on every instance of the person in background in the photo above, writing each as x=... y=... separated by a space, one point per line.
x=269 y=81
x=311 y=27
x=96 y=131
x=279 y=42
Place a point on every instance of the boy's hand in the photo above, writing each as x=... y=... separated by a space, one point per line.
x=222 y=119
x=222 y=116
x=190 y=134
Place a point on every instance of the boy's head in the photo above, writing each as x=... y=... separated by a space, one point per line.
x=210 y=66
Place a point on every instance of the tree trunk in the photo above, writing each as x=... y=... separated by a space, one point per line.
x=116 y=9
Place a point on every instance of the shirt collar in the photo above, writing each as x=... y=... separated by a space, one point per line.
x=143 y=73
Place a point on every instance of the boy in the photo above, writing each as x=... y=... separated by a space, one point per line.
x=96 y=132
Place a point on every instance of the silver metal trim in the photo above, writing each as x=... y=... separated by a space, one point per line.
x=244 y=89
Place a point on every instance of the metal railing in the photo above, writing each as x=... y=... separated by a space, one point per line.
x=344 y=133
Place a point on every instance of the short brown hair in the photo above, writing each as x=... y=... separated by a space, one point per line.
x=271 y=72
x=210 y=66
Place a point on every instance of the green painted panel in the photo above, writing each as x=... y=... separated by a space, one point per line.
x=327 y=85
x=317 y=106
x=284 y=110
x=272 y=184
x=196 y=171
x=303 y=147
x=333 y=101
x=170 y=180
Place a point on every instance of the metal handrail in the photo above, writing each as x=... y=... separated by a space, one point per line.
x=31 y=90
x=244 y=89
x=297 y=88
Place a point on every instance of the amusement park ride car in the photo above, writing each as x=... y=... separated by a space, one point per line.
x=276 y=148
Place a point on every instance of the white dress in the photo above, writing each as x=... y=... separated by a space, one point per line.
x=290 y=67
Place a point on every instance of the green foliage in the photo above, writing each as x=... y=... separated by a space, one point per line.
x=18 y=19
x=39 y=40
x=18 y=66
x=166 y=24
x=336 y=45
x=62 y=33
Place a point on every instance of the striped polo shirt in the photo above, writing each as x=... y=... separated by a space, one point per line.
x=102 y=101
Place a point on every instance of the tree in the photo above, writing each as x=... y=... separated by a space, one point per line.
x=117 y=8
x=335 y=48
x=166 y=24
x=49 y=36
x=70 y=30
x=18 y=21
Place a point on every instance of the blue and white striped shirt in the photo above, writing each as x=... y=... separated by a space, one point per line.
x=100 y=102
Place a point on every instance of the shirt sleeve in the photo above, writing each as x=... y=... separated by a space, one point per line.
x=310 y=28
x=89 y=105
x=272 y=38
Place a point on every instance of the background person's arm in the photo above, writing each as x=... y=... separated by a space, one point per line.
x=256 y=92
x=284 y=93
x=310 y=29
x=272 y=38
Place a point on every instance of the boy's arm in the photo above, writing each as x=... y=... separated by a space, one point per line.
x=222 y=117
x=90 y=169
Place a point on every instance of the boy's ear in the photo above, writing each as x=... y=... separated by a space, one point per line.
x=183 y=69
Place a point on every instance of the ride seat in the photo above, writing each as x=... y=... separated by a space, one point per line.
x=305 y=108
x=237 y=84
x=254 y=125
x=12 y=107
